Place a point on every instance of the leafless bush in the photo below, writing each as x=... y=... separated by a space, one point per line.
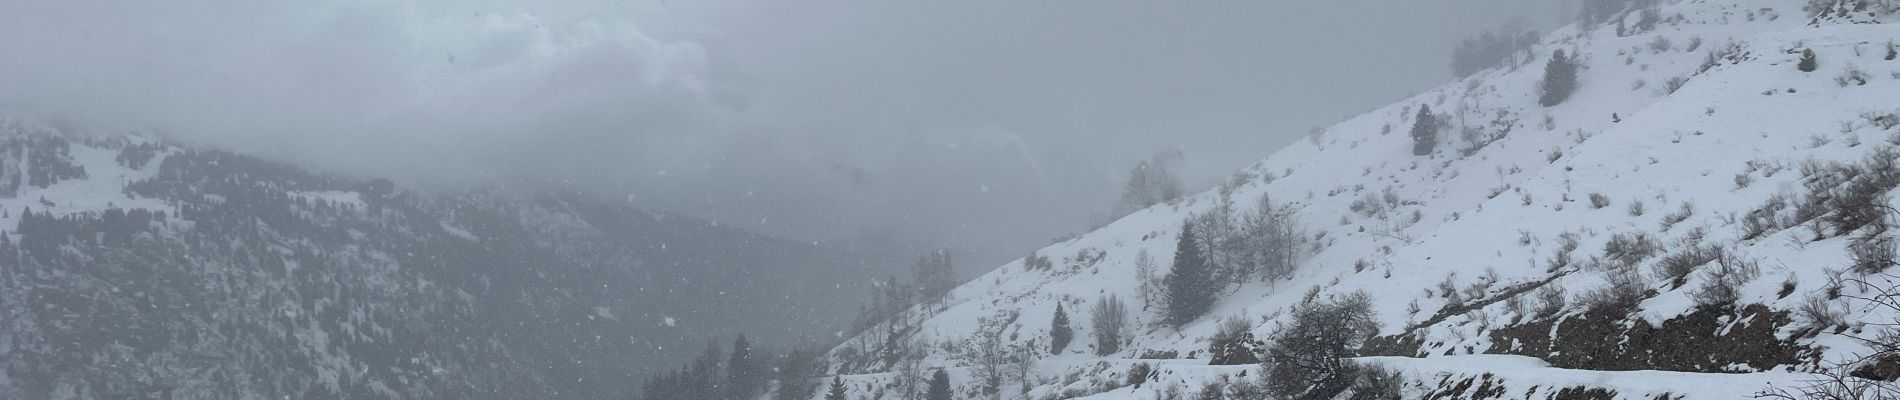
x=1677 y=266
x=1681 y=214
x=1860 y=378
x=1375 y=382
x=1724 y=282
x=1636 y=208
x=1598 y=200
x=1862 y=199
x=1765 y=218
x=1107 y=318
x=1872 y=252
x=1837 y=383
x=1566 y=243
x=1477 y=290
x=1138 y=374
x=1674 y=84
x=1368 y=205
x=1820 y=312
x=1731 y=53
x=1844 y=8
x=1852 y=75
x=1515 y=304
x=1629 y=248
x=1660 y=44
x=1233 y=342
x=1884 y=121
x=1551 y=300
x=1625 y=289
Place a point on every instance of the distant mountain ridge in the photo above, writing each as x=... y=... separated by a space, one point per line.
x=132 y=267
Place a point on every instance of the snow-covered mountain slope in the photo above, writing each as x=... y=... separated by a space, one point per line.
x=1680 y=137
x=132 y=267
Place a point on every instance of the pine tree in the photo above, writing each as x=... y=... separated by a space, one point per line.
x=1150 y=182
x=743 y=380
x=797 y=375
x=1424 y=131
x=1190 y=290
x=939 y=386
x=1807 y=64
x=707 y=379
x=837 y=389
x=1560 y=79
x=1059 y=332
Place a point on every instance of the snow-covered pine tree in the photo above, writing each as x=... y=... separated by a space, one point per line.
x=1059 y=331
x=1560 y=79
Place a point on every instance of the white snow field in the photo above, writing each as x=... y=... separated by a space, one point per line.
x=1706 y=111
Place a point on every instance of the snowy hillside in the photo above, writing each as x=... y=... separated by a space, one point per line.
x=1692 y=151
x=132 y=267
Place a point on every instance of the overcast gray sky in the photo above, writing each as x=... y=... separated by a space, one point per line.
x=985 y=126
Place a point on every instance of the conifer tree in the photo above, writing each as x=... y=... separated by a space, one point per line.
x=1424 y=131
x=743 y=380
x=1189 y=283
x=837 y=389
x=1059 y=331
x=1560 y=79
x=939 y=386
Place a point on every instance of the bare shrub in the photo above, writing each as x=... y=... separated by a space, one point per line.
x=1107 y=318
x=1862 y=199
x=1723 y=283
x=1598 y=200
x=1368 y=205
x=1375 y=382
x=1820 y=312
x=1765 y=218
x=1629 y=248
x=1852 y=76
x=1306 y=357
x=1674 y=84
x=1868 y=375
x=1233 y=342
x=1670 y=220
x=1515 y=304
x=1872 y=252
x=1625 y=290
x=1660 y=44
x=1138 y=374
x=1551 y=300
x=1566 y=243
x=1677 y=266
x=1884 y=121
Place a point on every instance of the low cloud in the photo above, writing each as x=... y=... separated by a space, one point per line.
x=985 y=126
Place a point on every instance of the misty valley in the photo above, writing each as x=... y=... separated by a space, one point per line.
x=857 y=200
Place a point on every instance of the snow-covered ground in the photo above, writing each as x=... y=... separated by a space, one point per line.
x=1721 y=143
x=103 y=187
